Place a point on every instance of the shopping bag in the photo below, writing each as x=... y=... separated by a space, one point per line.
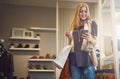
x=60 y=60
x=93 y=57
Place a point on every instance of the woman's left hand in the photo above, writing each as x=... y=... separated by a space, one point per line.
x=90 y=38
x=87 y=36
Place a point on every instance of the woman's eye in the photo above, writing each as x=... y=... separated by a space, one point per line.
x=83 y=11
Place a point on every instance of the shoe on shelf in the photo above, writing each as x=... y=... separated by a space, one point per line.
x=36 y=46
x=20 y=45
x=27 y=46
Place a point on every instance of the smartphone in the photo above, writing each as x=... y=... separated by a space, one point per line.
x=85 y=31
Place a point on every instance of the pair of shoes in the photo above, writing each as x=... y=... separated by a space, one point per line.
x=36 y=46
x=27 y=46
x=33 y=57
x=38 y=66
x=45 y=67
x=53 y=56
x=41 y=57
x=47 y=56
x=20 y=45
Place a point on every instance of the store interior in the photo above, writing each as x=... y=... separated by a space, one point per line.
x=32 y=32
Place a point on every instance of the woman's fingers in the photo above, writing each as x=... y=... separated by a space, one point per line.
x=86 y=36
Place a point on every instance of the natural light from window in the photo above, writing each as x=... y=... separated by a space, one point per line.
x=118 y=24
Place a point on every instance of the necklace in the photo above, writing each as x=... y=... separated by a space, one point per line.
x=79 y=35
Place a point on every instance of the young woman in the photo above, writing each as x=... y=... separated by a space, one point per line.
x=83 y=32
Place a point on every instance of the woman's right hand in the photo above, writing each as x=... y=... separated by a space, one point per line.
x=69 y=35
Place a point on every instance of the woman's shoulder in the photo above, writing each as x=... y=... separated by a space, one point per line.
x=93 y=21
x=94 y=27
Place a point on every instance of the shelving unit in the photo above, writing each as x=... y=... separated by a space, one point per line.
x=46 y=42
x=48 y=46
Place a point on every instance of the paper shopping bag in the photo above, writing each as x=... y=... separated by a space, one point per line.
x=60 y=60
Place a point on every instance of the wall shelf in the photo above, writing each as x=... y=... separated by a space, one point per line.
x=33 y=70
x=25 y=49
x=40 y=59
x=43 y=29
x=24 y=38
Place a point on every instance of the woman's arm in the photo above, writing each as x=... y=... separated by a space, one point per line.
x=92 y=36
x=69 y=36
x=93 y=40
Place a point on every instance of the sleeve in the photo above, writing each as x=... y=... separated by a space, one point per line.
x=94 y=29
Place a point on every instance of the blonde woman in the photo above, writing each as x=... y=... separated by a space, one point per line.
x=83 y=31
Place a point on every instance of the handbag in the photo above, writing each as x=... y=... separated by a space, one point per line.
x=60 y=60
x=65 y=73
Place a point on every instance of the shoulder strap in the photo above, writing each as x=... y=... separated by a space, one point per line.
x=89 y=23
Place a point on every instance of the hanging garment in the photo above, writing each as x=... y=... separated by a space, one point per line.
x=6 y=64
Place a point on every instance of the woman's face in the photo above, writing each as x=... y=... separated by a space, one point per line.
x=83 y=13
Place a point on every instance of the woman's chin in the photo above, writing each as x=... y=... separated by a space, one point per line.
x=83 y=19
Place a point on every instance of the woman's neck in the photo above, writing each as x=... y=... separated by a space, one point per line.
x=82 y=23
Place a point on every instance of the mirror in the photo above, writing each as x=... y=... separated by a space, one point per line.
x=107 y=47
x=106 y=23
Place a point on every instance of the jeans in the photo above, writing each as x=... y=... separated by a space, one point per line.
x=82 y=72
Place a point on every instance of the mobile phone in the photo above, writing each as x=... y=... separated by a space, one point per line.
x=85 y=31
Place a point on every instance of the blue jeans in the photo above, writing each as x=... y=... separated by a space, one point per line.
x=79 y=72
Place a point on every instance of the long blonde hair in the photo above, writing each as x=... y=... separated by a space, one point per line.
x=76 y=21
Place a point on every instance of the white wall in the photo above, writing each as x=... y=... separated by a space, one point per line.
x=26 y=17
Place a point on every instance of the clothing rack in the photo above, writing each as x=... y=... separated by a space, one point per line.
x=6 y=62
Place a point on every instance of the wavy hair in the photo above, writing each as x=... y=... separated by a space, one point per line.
x=76 y=21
